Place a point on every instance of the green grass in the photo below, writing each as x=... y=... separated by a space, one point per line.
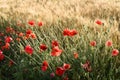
x=104 y=66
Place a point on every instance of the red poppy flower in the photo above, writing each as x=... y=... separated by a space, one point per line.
x=40 y=23
x=52 y=75
x=20 y=34
x=7 y=45
x=98 y=22
x=87 y=66
x=1 y=34
x=55 y=43
x=18 y=39
x=75 y=55
x=93 y=43
x=60 y=71
x=29 y=49
x=56 y=51
x=9 y=30
x=44 y=68
x=32 y=23
x=68 y=32
x=33 y=35
x=43 y=47
x=115 y=52
x=28 y=32
x=1 y=56
x=45 y=63
x=10 y=63
x=108 y=43
x=73 y=32
x=8 y=39
x=66 y=66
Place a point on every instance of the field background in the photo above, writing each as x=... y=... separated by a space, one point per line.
x=54 y=10
x=56 y=16
x=77 y=12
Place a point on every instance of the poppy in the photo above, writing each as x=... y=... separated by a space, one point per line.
x=29 y=49
x=87 y=66
x=98 y=22
x=56 y=51
x=44 y=65
x=20 y=34
x=60 y=71
x=108 y=43
x=52 y=75
x=73 y=32
x=55 y=43
x=8 y=39
x=93 y=43
x=40 y=23
x=75 y=55
x=33 y=35
x=10 y=63
x=44 y=68
x=115 y=52
x=43 y=47
x=32 y=23
x=66 y=66
x=1 y=56
x=68 y=32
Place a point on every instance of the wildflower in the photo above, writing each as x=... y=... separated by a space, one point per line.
x=44 y=65
x=29 y=49
x=52 y=75
x=55 y=43
x=93 y=43
x=44 y=68
x=43 y=47
x=87 y=66
x=18 y=39
x=40 y=23
x=28 y=32
x=108 y=43
x=68 y=32
x=66 y=66
x=98 y=22
x=32 y=23
x=9 y=30
x=60 y=71
x=115 y=52
x=1 y=56
x=33 y=35
x=73 y=32
x=1 y=34
x=6 y=46
x=8 y=39
x=75 y=55
x=10 y=63
x=56 y=51
x=20 y=34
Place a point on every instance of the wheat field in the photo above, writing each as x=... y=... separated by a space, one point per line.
x=79 y=12
x=52 y=10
